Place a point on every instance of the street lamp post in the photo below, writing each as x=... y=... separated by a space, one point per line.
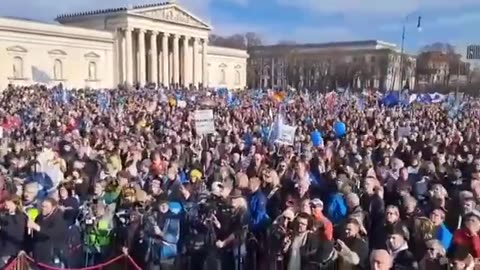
x=469 y=53
x=402 y=48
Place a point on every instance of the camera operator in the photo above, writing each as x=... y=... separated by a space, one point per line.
x=98 y=227
x=234 y=244
x=49 y=231
x=206 y=221
x=281 y=229
x=162 y=232
x=12 y=230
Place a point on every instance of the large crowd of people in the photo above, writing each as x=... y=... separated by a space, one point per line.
x=87 y=175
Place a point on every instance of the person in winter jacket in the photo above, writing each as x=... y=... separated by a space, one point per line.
x=320 y=220
x=435 y=257
x=12 y=230
x=441 y=232
x=163 y=231
x=48 y=230
x=352 y=249
x=397 y=246
x=468 y=237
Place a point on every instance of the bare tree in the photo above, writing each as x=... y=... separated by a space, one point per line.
x=253 y=39
x=287 y=42
x=439 y=47
x=236 y=41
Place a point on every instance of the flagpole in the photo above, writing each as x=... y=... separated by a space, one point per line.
x=402 y=48
x=401 y=53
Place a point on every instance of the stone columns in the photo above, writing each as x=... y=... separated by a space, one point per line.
x=176 y=60
x=153 y=58
x=195 y=75
x=272 y=71
x=204 y=63
x=141 y=60
x=128 y=56
x=185 y=71
x=121 y=52
x=165 y=75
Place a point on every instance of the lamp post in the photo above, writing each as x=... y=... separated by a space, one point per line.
x=468 y=56
x=402 y=48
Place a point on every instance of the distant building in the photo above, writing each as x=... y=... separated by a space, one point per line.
x=357 y=64
x=159 y=43
x=473 y=52
x=441 y=68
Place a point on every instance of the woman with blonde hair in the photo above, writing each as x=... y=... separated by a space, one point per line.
x=241 y=182
x=423 y=230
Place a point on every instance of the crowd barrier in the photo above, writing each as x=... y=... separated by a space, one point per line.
x=25 y=262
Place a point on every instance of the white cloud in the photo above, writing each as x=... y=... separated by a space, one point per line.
x=378 y=8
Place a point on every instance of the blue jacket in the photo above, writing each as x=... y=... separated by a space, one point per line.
x=259 y=218
x=444 y=236
x=337 y=208
x=166 y=247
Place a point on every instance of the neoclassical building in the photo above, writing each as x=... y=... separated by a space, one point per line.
x=160 y=43
x=322 y=66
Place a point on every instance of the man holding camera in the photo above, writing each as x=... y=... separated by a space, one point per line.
x=98 y=234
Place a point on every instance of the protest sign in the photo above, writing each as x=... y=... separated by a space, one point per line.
x=287 y=135
x=403 y=132
x=204 y=123
x=181 y=103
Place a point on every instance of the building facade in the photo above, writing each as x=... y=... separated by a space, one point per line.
x=441 y=68
x=160 y=43
x=358 y=65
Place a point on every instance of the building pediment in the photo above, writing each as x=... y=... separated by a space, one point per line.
x=57 y=52
x=91 y=55
x=172 y=13
x=17 y=49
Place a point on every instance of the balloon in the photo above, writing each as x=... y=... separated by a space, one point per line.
x=317 y=139
x=175 y=207
x=340 y=129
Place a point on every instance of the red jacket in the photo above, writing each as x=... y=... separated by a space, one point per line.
x=327 y=224
x=463 y=237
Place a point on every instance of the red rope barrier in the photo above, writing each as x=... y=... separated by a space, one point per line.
x=13 y=264
x=133 y=262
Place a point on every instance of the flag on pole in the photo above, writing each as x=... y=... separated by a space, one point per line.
x=276 y=128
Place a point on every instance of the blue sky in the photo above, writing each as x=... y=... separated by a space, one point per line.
x=453 y=21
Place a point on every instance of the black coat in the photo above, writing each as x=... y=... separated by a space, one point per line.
x=12 y=233
x=405 y=260
x=50 y=241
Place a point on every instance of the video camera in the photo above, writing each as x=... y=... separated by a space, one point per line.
x=86 y=215
x=214 y=206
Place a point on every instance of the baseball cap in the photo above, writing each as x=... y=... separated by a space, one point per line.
x=317 y=203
